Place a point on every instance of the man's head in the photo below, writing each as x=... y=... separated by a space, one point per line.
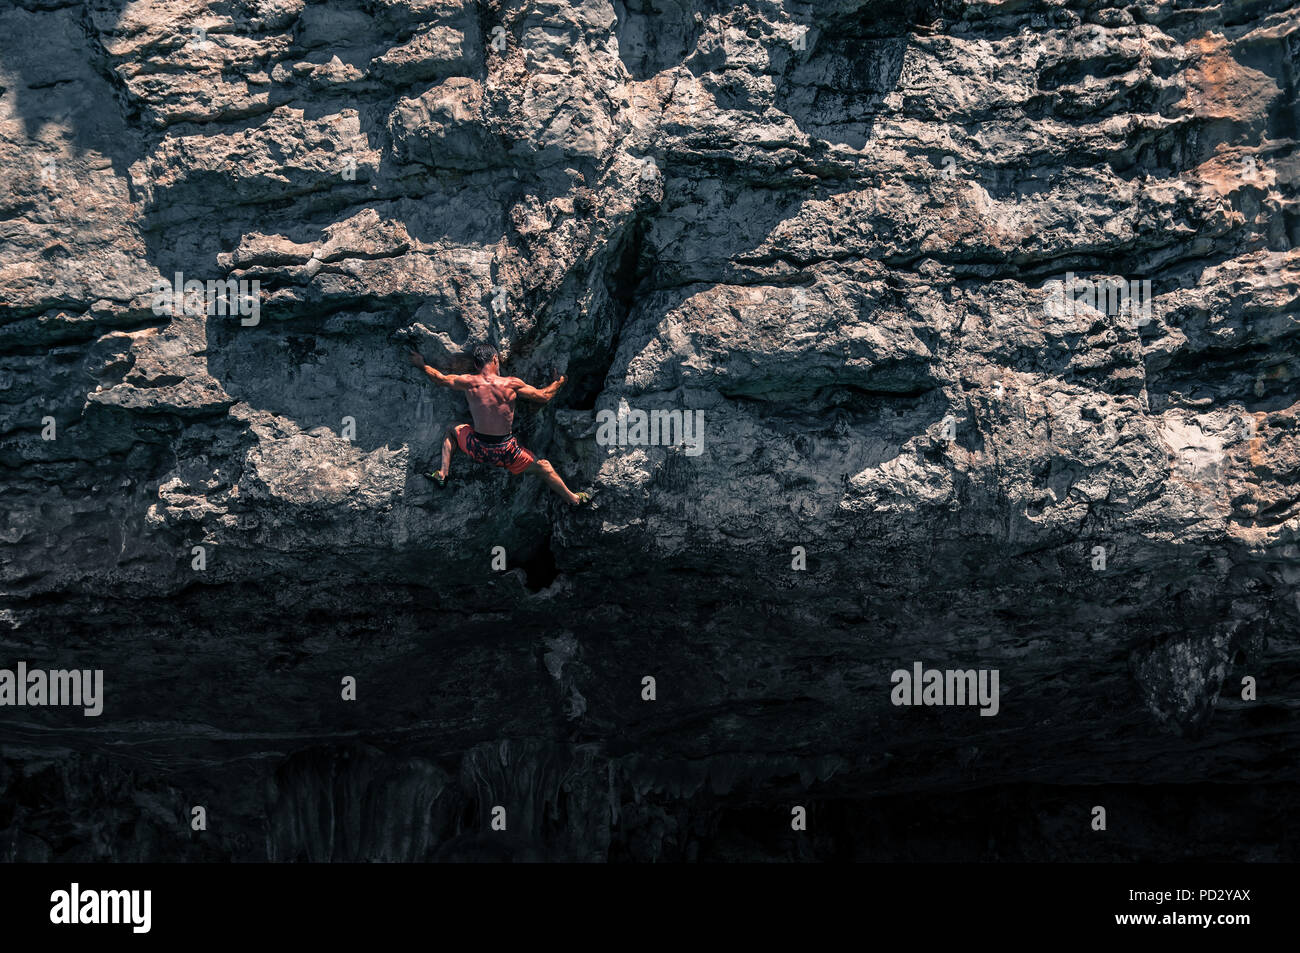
x=485 y=358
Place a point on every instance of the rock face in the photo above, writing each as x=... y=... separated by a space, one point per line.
x=989 y=314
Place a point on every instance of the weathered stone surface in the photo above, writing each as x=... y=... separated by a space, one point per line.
x=839 y=230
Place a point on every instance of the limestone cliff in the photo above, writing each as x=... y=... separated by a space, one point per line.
x=878 y=248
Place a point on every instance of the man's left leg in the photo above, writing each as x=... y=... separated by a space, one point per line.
x=552 y=479
x=523 y=461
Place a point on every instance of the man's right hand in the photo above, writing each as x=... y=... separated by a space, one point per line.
x=415 y=358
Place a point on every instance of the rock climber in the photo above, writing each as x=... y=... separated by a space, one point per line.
x=492 y=406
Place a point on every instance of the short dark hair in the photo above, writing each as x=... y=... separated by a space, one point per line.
x=483 y=355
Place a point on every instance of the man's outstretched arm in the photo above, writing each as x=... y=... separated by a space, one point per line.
x=541 y=395
x=454 y=381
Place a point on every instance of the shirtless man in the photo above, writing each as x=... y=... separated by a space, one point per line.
x=492 y=406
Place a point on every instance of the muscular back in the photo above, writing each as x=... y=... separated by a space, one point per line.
x=491 y=401
x=491 y=397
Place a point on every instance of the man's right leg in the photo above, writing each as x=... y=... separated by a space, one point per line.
x=450 y=444
x=448 y=448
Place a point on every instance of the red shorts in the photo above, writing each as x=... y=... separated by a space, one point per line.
x=507 y=453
